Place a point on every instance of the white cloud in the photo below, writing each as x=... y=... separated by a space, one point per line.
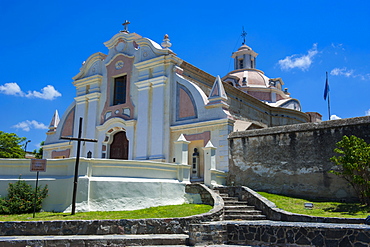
x=12 y=88
x=334 y=117
x=348 y=73
x=337 y=46
x=343 y=71
x=28 y=125
x=367 y=113
x=47 y=92
x=302 y=62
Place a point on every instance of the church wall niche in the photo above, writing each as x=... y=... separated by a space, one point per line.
x=68 y=124
x=185 y=104
x=60 y=154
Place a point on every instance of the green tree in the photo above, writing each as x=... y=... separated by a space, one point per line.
x=10 y=145
x=38 y=153
x=354 y=165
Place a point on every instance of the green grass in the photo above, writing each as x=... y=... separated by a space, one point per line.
x=322 y=209
x=154 y=212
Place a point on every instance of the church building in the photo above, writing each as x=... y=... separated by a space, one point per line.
x=140 y=98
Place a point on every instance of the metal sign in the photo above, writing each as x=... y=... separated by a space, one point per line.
x=38 y=165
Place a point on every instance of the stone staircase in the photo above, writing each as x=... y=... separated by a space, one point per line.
x=145 y=232
x=235 y=209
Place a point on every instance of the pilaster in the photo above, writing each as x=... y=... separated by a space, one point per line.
x=142 y=127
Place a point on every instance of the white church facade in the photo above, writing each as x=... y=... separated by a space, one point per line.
x=140 y=98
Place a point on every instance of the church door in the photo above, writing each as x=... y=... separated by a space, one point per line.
x=119 y=146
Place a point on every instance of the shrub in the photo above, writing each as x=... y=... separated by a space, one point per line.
x=354 y=165
x=21 y=197
x=3 y=206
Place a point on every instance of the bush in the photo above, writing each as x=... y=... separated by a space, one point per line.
x=3 y=206
x=21 y=197
x=354 y=165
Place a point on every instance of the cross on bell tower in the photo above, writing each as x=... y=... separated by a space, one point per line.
x=244 y=34
x=125 y=25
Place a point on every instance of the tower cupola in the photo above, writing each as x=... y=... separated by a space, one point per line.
x=244 y=58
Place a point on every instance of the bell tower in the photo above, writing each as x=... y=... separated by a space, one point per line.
x=244 y=57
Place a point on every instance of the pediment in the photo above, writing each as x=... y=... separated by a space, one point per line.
x=92 y=66
x=132 y=44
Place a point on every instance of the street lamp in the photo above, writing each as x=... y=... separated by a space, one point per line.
x=25 y=146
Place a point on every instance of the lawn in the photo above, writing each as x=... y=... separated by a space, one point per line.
x=322 y=209
x=154 y=212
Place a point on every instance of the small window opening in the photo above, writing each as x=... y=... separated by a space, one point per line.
x=119 y=90
x=241 y=63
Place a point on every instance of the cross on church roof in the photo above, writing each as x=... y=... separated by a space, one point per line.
x=244 y=34
x=125 y=25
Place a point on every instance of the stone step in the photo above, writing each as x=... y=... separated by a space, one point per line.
x=244 y=217
x=222 y=190
x=239 y=207
x=242 y=212
x=235 y=203
x=95 y=240
x=230 y=199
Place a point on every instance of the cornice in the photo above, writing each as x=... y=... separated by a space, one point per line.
x=88 y=80
x=89 y=97
x=202 y=124
x=158 y=61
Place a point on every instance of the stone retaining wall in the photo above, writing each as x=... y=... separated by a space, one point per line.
x=294 y=159
x=271 y=233
x=124 y=226
x=272 y=212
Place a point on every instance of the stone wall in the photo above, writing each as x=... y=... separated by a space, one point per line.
x=123 y=226
x=293 y=159
x=272 y=212
x=275 y=233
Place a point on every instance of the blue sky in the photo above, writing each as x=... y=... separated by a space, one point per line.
x=43 y=44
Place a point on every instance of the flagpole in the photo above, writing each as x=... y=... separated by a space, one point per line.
x=329 y=104
x=327 y=93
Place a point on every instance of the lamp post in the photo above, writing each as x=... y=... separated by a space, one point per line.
x=25 y=146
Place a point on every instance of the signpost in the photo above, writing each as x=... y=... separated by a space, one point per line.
x=75 y=181
x=37 y=165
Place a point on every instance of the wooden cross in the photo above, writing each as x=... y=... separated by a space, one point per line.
x=78 y=139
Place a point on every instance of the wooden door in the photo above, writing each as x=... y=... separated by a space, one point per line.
x=119 y=146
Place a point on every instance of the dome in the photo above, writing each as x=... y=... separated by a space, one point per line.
x=244 y=50
x=244 y=47
x=249 y=78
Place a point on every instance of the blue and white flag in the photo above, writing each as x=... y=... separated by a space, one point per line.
x=326 y=90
